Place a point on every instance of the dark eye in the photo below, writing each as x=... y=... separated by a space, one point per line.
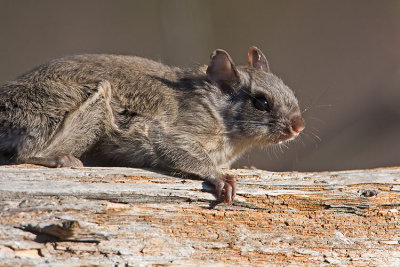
x=261 y=103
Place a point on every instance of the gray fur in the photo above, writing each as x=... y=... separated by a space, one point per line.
x=129 y=111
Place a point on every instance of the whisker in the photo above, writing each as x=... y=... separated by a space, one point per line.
x=284 y=145
x=316 y=136
x=275 y=152
x=308 y=108
x=323 y=106
x=300 y=138
x=316 y=119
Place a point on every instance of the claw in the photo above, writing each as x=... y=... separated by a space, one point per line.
x=231 y=181
x=226 y=189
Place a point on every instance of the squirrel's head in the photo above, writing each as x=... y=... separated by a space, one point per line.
x=255 y=104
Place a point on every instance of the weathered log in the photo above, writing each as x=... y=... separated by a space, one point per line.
x=125 y=216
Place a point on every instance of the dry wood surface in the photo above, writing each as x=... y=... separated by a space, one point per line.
x=135 y=217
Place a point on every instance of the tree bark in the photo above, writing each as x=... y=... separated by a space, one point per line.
x=126 y=216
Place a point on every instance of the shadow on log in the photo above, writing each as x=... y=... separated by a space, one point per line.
x=124 y=216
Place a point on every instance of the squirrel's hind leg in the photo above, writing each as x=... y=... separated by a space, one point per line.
x=80 y=130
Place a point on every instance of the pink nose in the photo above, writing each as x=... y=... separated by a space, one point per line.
x=298 y=123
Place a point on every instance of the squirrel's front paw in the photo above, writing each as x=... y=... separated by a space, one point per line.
x=225 y=189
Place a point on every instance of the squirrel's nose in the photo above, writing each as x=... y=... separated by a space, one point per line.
x=298 y=123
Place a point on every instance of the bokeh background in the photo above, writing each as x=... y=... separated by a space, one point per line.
x=342 y=58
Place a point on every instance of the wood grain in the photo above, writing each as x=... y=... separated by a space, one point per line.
x=134 y=217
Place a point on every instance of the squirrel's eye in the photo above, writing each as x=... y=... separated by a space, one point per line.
x=261 y=103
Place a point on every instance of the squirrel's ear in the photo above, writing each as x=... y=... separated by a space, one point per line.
x=257 y=59
x=221 y=69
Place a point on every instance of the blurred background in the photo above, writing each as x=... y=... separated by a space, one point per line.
x=342 y=59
